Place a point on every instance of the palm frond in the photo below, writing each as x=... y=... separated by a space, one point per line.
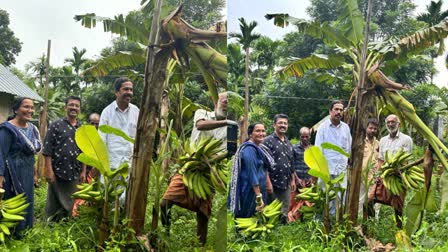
x=418 y=41
x=122 y=59
x=127 y=26
x=299 y=66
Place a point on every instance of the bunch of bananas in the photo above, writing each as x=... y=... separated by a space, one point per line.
x=314 y=194
x=397 y=176
x=203 y=167
x=92 y=192
x=12 y=211
x=262 y=223
x=88 y=191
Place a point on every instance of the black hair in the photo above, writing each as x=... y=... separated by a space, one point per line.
x=72 y=97
x=278 y=116
x=251 y=128
x=119 y=81
x=372 y=121
x=16 y=105
x=334 y=103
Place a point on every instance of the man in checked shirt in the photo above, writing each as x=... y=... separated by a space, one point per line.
x=281 y=177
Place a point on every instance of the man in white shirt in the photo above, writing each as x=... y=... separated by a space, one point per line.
x=336 y=132
x=123 y=115
x=391 y=143
x=211 y=123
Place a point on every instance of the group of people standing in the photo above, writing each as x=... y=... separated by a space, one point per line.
x=270 y=167
x=264 y=168
x=21 y=142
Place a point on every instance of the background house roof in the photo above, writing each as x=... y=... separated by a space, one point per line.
x=11 y=84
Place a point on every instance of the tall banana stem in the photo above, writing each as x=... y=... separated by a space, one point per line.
x=211 y=63
x=407 y=111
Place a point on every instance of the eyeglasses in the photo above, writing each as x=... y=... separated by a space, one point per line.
x=94 y=123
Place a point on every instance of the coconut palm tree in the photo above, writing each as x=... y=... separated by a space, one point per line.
x=433 y=16
x=245 y=38
x=77 y=62
x=434 y=13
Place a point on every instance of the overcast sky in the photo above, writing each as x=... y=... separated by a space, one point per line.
x=36 y=21
x=256 y=9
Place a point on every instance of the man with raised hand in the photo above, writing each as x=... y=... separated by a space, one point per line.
x=205 y=124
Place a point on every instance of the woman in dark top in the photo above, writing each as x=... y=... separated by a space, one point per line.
x=20 y=141
x=248 y=182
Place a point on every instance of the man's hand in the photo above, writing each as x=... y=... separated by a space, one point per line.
x=269 y=188
x=36 y=180
x=1 y=181
x=49 y=175
x=293 y=184
x=260 y=203
x=82 y=177
x=231 y=123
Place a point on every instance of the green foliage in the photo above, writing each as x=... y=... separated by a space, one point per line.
x=10 y=45
x=336 y=148
x=111 y=130
x=299 y=236
x=201 y=13
x=318 y=164
x=94 y=150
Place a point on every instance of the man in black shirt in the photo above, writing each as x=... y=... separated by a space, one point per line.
x=62 y=170
x=281 y=177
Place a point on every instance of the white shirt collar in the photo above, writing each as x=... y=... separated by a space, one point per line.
x=116 y=108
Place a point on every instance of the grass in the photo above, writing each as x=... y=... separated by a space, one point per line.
x=80 y=234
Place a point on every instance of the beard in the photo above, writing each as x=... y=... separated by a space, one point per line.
x=220 y=113
x=392 y=131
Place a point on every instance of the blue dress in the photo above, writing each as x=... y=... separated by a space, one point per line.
x=252 y=173
x=17 y=164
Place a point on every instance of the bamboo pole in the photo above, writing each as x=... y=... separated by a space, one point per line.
x=44 y=112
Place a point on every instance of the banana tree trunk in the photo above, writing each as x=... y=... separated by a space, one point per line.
x=365 y=103
x=363 y=111
x=148 y=121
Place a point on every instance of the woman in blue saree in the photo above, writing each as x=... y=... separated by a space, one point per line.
x=20 y=141
x=247 y=192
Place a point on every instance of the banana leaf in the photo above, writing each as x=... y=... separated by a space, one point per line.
x=122 y=170
x=330 y=146
x=221 y=229
x=93 y=148
x=111 y=130
x=444 y=191
x=414 y=211
x=318 y=164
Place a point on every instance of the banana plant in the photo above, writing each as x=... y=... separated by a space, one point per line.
x=315 y=159
x=188 y=44
x=95 y=154
x=364 y=59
